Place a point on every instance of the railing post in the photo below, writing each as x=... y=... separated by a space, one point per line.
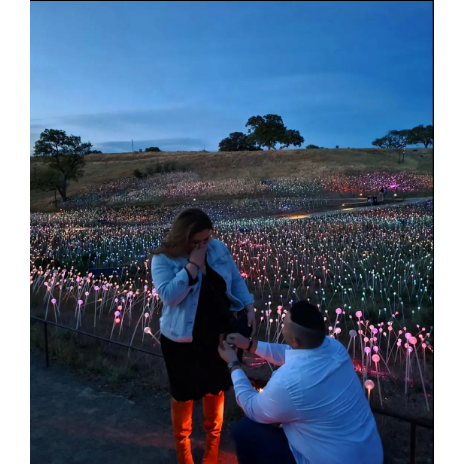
x=412 y=451
x=46 y=344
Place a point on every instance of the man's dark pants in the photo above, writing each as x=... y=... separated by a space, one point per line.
x=261 y=444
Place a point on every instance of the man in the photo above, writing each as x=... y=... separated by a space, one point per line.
x=315 y=395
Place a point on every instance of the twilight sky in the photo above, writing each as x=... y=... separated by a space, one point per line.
x=183 y=75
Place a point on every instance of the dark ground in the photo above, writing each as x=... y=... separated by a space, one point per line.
x=74 y=421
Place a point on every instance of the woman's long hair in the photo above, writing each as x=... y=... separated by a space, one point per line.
x=187 y=223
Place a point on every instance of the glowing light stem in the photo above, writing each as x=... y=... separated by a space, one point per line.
x=378 y=383
x=95 y=315
x=135 y=330
x=406 y=377
x=423 y=355
x=422 y=379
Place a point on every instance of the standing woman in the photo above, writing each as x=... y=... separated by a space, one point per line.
x=204 y=296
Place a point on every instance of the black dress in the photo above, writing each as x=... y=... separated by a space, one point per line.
x=195 y=369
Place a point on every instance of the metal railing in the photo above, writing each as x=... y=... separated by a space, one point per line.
x=414 y=422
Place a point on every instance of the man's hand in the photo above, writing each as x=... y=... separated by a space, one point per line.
x=238 y=340
x=227 y=353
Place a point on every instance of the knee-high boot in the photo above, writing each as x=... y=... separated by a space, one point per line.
x=213 y=412
x=181 y=415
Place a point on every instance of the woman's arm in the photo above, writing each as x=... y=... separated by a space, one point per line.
x=172 y=288
x=239 y=286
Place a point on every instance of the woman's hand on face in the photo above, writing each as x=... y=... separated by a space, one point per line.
x=198 y=255
x=238 y=340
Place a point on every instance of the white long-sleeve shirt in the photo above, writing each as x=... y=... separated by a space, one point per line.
x=319 y=400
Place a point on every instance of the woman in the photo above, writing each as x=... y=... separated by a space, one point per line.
x=204 y=297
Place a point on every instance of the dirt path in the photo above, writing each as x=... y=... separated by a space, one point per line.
x=74 y=421
x=336 y=210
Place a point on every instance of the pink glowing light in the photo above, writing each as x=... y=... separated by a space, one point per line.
x=117 y=320
x=80 y=302
x=339 y=311
x=117 y=314
x=367 y=350
x=412 y=340
x=369 y=384
x=359 y=314
x=376 y=358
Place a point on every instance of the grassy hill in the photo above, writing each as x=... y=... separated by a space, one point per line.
x=254 y=165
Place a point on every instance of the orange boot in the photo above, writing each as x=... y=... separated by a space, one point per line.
x=181 y=415
x=213 y=412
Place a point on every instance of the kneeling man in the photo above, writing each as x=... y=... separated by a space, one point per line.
x=313 y=410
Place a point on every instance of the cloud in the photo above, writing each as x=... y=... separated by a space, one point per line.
x=169 y=144
x=172 y=128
